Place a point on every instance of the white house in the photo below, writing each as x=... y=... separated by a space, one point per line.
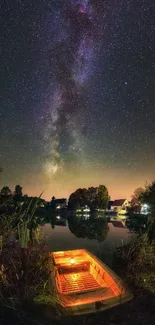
x=119 y=206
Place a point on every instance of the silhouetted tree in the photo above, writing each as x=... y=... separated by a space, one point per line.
x=94 y=197
x=78 y=199
x=5 y=202
x=5 y=191
x=148 y=197
x=18 y=191
x=53 y=203
x=136 y=197
x=91 y=197
x=102 y=197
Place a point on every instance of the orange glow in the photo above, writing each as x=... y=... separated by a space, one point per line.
x=72 y=260
x=86 y=275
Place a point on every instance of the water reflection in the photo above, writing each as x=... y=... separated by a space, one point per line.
x=57 y=220
x=89 y=227
x=136 y=224
x=94 y=233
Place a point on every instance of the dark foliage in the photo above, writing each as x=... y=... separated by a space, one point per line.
x=93 y=228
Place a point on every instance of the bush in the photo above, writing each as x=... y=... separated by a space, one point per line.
x=137 y=262
x=24 y=274
x=24 y=267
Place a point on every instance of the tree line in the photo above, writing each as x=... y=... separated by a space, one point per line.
x=6 y=192
x=93 y=197
x=12 y=201
x=146 y=196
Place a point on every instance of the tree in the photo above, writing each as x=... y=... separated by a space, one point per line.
x=78 y=199
x=53 y=203
x=148 y=197
x=136 y=196
x=18 y=191
x=91 y=197
x=102 y=197
x=5 y=191
x=94 y=197
x=136 y=201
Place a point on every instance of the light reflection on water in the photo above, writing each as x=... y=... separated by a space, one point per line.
x=61 y=238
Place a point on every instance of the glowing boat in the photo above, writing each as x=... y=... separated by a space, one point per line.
x=83 y=284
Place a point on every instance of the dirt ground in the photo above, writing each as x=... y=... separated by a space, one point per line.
x=139 y=311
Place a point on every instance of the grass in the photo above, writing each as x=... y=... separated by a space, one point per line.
x=25 y=269
x=135 y=262
x=24 y=275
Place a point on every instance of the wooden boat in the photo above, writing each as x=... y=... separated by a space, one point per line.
x=83 y=284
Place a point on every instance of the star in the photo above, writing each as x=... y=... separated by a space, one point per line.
x=77 y=96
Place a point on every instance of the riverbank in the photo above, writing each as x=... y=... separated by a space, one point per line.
x=134 y=262
x=139 y=311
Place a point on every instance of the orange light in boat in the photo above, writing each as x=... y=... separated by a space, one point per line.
x=72 y=260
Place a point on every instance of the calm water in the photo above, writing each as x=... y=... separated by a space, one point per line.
x=62 y=238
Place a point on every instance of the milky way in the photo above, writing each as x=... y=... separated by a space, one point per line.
x=77 y=99
x=73 y=58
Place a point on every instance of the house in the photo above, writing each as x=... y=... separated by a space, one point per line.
x=60 y=203
x=119 y=206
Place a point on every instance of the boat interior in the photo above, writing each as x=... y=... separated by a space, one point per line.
x=79 y=273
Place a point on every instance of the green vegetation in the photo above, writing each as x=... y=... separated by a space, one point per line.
x=136 y=200
x=24 y=262
x=5 y=191
x=136 y=263
x=137 y=260
x=145 y=196
x=93 y=197
x=137 y=224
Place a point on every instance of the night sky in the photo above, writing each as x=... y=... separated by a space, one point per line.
x=77 y=95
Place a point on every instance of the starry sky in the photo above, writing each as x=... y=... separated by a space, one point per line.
x=77 y=95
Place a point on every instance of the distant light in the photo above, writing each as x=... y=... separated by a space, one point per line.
x=126 y=83
x=58 y=217
x=145 y=205
x=72 y=261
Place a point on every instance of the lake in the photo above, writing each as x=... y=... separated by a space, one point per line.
x=77 y=234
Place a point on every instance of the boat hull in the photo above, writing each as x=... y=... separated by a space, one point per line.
x=87 y=285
